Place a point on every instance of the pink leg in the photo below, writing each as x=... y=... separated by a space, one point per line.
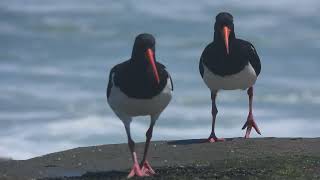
x=250 y=120
x=135 y=168
x=213 y=138
x=145 y=166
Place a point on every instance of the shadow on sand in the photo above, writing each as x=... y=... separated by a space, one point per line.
x=199 y=141
x=105 y=175
x=194 y=141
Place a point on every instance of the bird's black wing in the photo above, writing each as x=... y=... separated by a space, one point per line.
x=110 y=83
x=201 y=63
x=254 y=59
x=171 y=81
x=164 y=73
x=163 y=70
x=201 y=70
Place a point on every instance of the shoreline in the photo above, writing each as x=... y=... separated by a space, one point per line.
x=172 y=158
x=4 y=159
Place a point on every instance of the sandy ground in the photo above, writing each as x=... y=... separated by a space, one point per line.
x=237 y=158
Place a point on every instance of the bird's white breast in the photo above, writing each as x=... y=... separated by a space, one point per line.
x=241 y=80
x=121 y=104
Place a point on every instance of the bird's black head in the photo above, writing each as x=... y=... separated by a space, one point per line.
x=143 y=53
x=224 y=29
x=141 y=44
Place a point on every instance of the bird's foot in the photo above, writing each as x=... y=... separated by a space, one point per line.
x=213 y=139
x=135 y=171
x=147 y=169
x=249 y=124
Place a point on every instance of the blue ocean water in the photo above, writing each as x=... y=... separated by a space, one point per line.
x=55 y=57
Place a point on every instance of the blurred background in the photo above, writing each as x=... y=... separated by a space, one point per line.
x=55 y=58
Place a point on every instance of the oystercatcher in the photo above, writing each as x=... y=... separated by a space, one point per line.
x=229 y=63
x=140 y=86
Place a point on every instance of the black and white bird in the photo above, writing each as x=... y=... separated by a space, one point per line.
x=229 y=63
x=140 y=86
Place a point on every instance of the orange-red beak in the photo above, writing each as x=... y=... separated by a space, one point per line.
x=226 y=33
x=150 y=57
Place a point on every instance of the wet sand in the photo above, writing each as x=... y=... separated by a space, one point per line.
x=237 y=158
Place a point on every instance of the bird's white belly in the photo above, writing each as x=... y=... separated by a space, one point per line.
x=242 y=80
x=121 y=104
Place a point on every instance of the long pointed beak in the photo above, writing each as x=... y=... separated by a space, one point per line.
x=153 y=64
x=226 y=33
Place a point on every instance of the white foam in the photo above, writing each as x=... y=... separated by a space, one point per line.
x=18 y=148
x=192 y=113
x=189 y=12
x=28 y=115
x=93 y=125
x=60 y=6
x=35 y=140
x=58 y=71
x=46 y=91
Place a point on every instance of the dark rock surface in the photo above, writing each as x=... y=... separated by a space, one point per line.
x=237 y=158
